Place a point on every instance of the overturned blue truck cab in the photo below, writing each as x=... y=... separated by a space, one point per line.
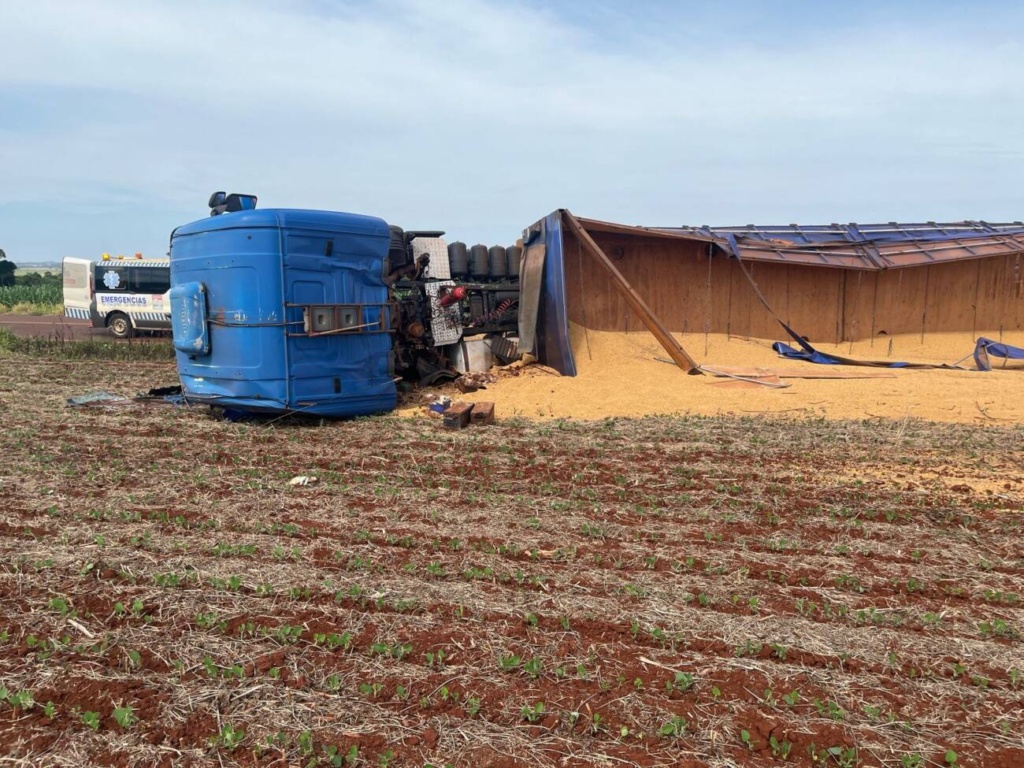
x=325 y=313
x=283 y=310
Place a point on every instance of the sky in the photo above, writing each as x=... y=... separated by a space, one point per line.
x=118 y=118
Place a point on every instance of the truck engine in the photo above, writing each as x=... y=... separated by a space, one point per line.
x=440 y=297
x=444 y=294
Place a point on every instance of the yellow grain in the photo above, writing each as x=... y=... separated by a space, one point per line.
x=620 y=376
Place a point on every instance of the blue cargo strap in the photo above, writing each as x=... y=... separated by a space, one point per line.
x=986 y=347
x=810 y=354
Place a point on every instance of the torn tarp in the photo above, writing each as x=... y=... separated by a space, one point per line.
x=811 y=355
x=987 y=347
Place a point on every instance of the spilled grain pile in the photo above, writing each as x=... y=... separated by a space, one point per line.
x=620 y=375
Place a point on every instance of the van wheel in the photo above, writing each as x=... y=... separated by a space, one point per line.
x=119 y=324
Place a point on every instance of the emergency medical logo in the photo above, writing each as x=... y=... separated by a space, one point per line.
x=111 y=279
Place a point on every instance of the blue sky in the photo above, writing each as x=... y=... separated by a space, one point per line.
x=118 y=117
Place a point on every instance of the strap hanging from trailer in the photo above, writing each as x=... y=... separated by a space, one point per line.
x=809 y=353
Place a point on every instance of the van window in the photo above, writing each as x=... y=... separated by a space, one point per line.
x=151 y=280
x=111 y=278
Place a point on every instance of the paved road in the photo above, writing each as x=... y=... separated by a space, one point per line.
x=52 y=327
x=60 y=327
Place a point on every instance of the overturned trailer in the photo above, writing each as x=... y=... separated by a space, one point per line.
x=833 y=283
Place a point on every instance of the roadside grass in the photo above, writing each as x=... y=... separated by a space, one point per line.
x=31 y=308
x=57 y=347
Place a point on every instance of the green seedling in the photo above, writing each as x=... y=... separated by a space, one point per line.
x=22 y=700
x=674 y=727
x=780 y=748
x=682 y=681
x=125 y=716
x=508 y=663
x=229 y=737
x=533 y=713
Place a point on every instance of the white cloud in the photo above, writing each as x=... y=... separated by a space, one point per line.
x=480 y=116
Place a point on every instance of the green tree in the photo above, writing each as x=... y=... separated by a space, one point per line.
x=6 y=269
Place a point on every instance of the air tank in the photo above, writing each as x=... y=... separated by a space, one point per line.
x=458 y=259
x=478 y=266
x=497 y=262
x=513 y=257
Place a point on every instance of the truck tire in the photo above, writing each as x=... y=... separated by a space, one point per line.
x=120 y=325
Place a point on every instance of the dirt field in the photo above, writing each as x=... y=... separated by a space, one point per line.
x=666 y=591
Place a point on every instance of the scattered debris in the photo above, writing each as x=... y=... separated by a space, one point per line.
x=436 y=403
x=471 y=382
x=788 y=373
x=747 y=379
x=160 y=392
x=171 y=394
x=530 y=362
x=987 y=347
x=457 y=416
x=482 y=413
x=98 y=399
x=157 y=396
x=506 y=349
x=461 y=415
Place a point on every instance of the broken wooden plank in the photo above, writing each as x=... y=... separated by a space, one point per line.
x=829 y=372
x=763 y=380
x=794 y=373
x=770 y=383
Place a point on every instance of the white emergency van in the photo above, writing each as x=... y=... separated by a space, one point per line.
x=122 y=294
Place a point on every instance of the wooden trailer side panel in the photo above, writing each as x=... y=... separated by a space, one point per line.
x=694 y=292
